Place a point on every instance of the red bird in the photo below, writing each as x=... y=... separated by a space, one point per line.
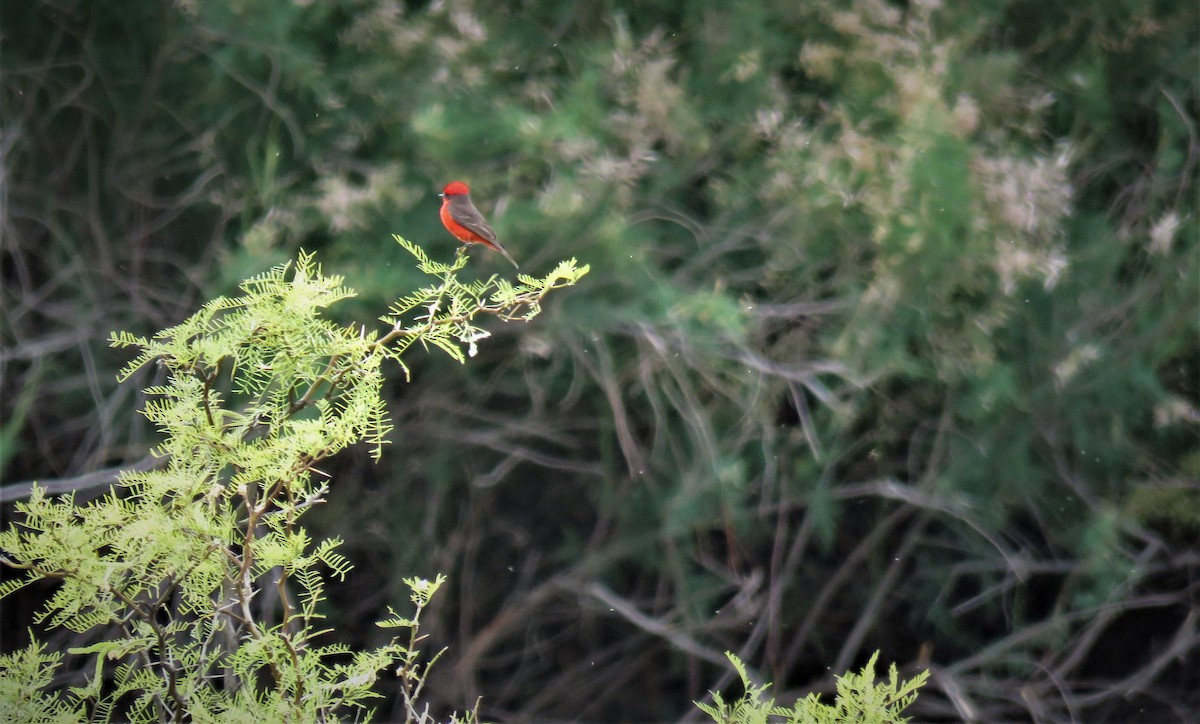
x=461 y=218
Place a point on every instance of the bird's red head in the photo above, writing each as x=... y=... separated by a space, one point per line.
x=456 y=188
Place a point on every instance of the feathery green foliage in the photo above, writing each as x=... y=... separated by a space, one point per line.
x=197 y=579
x=858 y=699
x=450 y=307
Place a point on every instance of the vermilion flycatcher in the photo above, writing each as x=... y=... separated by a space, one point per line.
x=462 y=219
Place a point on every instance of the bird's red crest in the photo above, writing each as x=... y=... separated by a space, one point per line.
x=456 y=188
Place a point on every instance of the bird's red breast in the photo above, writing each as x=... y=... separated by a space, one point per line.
x=461 y=232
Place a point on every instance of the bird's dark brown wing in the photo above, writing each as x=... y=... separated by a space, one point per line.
x=465 y=213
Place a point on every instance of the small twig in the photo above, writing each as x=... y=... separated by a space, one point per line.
x=89 y=483
x=656 y=627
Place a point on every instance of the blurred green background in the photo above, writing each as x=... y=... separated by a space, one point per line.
x=890 y=340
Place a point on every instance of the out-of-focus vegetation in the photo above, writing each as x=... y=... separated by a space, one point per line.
x=890 y=341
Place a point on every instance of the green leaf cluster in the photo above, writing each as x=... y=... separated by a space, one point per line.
x=196 y=579
x=858 y=699
x=443 y=315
